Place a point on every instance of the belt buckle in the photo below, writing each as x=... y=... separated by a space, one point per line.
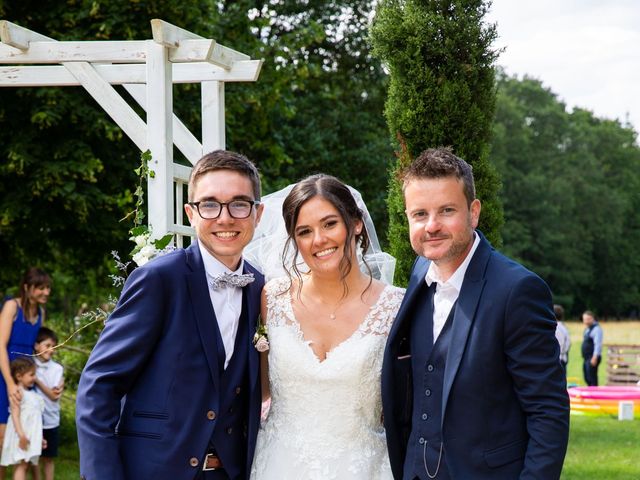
x=206 y=461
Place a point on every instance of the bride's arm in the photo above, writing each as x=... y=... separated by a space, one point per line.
x=264 y=356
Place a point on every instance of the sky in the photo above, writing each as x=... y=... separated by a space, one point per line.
x=585 y=51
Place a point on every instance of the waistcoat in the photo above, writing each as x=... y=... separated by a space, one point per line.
x=428 y=364
x=229 y=437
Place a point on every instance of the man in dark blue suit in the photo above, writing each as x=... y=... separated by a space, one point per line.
x=471 y=383
x=171 y=389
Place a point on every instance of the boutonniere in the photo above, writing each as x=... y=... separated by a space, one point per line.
x=261 y=339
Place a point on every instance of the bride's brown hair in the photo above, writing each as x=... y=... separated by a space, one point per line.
x=337 y=193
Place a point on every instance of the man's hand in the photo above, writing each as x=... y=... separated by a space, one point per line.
x=594 y=361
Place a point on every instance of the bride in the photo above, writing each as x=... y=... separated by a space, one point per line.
x=327 y=324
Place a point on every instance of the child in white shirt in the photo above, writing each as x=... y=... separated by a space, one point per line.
x=49 y=385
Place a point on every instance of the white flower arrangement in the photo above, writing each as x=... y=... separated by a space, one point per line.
x=147 y=249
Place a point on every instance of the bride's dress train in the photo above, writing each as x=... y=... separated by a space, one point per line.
x=325 y=418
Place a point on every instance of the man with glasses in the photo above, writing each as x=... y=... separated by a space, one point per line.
x=171 y=389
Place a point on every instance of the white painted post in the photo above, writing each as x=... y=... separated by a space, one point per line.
x=160 y=139
x=213 y=134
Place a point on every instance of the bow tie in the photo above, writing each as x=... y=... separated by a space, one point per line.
x=231 y=280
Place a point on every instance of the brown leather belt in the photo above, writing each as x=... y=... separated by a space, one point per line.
x=211 y=462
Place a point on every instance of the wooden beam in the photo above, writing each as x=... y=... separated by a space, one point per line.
x=57 y=76
x=17 y=36
x=187 y=46
x=181 y=173
x=170 y=35
x=225 y=57
x=213 y=124
x=186 y=142
x=111 y=102
x=160 y=139
x=112 y=51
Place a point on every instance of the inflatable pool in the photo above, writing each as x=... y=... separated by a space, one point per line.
x=603 y=400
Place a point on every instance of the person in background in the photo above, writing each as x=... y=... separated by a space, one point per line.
x=591 y=348
x=23 y=442
x=20 y=320
x=563 y=337
x=49 y=385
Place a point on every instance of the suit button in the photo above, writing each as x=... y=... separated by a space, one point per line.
x=229 y=430
x=429 y=368
x=427 y=392
x=211 y=415
x=238 y=389
x=193 y=461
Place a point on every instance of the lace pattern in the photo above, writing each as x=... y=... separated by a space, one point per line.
x=325 y=418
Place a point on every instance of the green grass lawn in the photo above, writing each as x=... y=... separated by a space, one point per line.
x=600 y=447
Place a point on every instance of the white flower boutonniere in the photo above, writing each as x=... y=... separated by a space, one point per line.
x=261 y=339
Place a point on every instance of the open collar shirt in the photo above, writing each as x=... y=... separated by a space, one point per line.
x=447 y=292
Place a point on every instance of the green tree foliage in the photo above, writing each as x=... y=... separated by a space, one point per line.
x=319 y=98
x=441 y=92
x=66 y=171
x=571 y=196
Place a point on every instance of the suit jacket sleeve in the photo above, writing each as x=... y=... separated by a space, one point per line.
x=125 y=344
x=532 y=360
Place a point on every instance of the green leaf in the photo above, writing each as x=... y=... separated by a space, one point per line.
x=139 y=230
x=162 y=243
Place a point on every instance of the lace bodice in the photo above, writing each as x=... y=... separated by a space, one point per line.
x=325 y=417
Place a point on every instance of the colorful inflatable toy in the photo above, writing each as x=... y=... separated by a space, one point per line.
x=603 y=400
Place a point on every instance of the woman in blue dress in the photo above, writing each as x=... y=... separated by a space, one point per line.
x=20 y=320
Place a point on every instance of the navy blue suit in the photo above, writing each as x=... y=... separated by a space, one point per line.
x=504 y=405
x=149 y=400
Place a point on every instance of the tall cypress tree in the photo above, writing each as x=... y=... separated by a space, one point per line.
x=441 y=93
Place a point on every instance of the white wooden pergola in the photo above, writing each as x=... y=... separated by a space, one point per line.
x=147 y=69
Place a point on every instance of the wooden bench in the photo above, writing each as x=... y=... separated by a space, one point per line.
x=623 y=364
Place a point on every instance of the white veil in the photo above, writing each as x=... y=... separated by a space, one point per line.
x=266 y=249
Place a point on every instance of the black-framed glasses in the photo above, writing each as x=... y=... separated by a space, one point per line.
x=210 y=209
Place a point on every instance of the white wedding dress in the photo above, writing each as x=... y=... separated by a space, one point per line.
x=325 y=420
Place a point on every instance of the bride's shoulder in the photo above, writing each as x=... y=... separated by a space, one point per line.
x=277 y=286
x=392 y=294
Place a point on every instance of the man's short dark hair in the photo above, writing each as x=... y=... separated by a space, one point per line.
x=225 y=160
x=441 y=163
x=559 y=312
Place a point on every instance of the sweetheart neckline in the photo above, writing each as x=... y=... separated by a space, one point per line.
x=301 y=336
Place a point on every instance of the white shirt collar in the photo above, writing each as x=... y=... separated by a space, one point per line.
x=213 y=266
x=455 y=281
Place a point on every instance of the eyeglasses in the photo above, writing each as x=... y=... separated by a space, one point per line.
x=210 y=209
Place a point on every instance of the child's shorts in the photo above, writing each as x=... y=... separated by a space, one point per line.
x=51 y=436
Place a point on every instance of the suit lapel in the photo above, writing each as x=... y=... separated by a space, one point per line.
x=251 y=295
x=205 y=316
x=464 y=315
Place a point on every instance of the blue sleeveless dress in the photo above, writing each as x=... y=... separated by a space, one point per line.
x=23 y=337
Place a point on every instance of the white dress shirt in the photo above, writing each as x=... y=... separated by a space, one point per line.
x=226 y=301
x=50 y=373
x=447 y=292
